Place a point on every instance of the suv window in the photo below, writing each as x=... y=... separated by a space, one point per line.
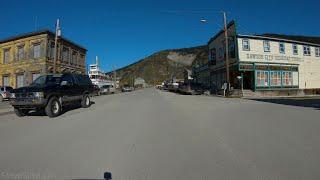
x=2 y=89
x=67 y=78
x=83 y=79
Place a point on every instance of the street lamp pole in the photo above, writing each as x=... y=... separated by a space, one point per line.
x=57 y=34
x=226 y=50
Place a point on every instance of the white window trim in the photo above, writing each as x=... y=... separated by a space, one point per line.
x=295 y=45
x=243 y=47
x=309 y=50
x=284 y=48
x=266 y=44
x=317 y=51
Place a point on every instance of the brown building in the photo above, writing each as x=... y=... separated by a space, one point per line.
x=24 y=57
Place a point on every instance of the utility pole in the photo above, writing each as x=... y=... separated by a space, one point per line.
x=114 y=76
x=57 y=34
x=227 y=50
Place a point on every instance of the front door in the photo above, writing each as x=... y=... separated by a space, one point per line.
x=67 y=90
x=248 y=80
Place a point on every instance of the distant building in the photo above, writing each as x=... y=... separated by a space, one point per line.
x=265 y=62
x=24 y=57
x=139 y=83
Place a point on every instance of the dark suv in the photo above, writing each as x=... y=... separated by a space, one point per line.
x=51 y=92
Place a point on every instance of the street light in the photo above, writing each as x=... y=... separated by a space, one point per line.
x=57 y=34
x=226 y=45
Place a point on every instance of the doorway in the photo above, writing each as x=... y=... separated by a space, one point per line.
x=248 y=80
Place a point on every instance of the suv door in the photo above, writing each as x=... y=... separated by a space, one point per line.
x=67 y=90
x=78 y=85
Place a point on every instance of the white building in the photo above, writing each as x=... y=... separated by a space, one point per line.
x=265 y=62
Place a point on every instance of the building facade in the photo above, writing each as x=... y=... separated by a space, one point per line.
x=265 y=62
x=25 y=57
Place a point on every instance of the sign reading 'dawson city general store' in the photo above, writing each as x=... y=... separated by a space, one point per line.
x=272 y=57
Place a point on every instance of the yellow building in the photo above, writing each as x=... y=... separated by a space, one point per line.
x=24 y=57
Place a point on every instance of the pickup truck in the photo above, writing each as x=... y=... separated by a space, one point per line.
x=51 y=93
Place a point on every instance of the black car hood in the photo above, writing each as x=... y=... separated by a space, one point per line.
x=33 y=89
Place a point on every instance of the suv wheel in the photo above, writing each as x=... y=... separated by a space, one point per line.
x=20 y=112
x=53 y=108
x=85 y=102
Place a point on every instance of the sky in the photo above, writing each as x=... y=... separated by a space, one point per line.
x=122 y=32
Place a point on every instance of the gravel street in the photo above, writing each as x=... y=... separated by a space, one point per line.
x=154 y=135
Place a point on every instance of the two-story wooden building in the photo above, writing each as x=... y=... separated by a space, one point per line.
x=24 y=57
x=269 y=62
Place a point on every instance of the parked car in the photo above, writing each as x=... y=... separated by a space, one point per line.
x=173 y=87
x=191 y=89
x=127 y=88
x=5 y=92
x=51 y=93
x=97 y=90
x=108 y=89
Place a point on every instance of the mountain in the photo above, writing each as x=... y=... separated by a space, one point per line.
x=162 y=65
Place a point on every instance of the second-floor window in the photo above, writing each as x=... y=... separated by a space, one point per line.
x=246 y=44
x=282 y=47
x=65 y=54
x=295 y=49
x=20 y=53
x=306 y=50
x=6 y=56
x=36 y=51
x=51 y=50
x=74 y=59
x=213 y=54
x=266 y=46
x=317 y=51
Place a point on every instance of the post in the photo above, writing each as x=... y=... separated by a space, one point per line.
x=114 y=76
x=227 y=50
x=55 y=46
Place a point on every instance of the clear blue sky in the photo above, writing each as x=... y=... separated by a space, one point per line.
x=122 y=32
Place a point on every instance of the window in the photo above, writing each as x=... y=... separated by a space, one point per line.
x=20 y=52
x=35 y=76
x=213 y=54
x=317 y=51
x=275 y=78
x=287 y=79
x=220 y=53
x=5 y=80
x=6 y=56
x=295 y=49
x=246 y=45
x=306 y=50
x=74 y=57
x=82 y=60
x=51 y=50
x=36 y=51
x=20 y=80
x=266 y=46
x=65 y=54
x=67 y=78
x=282 y=47
x=262 y=78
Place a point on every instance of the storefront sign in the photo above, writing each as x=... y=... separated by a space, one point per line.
x=246 y=67
x=272 y=57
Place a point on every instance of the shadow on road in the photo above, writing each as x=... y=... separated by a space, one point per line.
x=302 y=102
x=64 y=110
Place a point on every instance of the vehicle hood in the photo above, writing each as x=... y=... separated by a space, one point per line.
x=32 y=89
